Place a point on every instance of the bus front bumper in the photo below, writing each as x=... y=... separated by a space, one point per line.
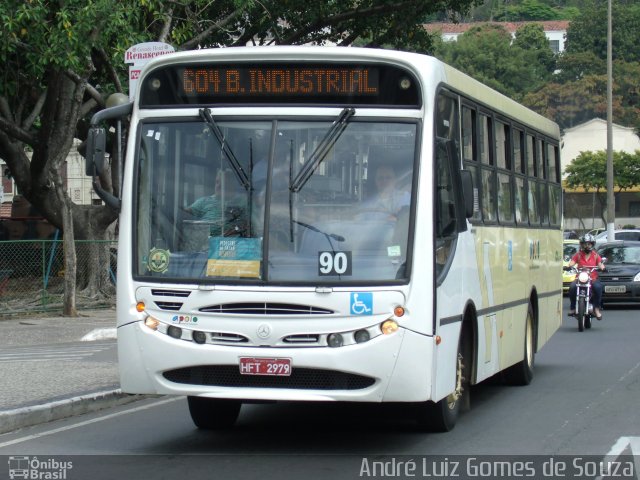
x=388 y=368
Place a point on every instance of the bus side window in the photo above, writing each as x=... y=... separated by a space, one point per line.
x=445 y=198
x=445 y=221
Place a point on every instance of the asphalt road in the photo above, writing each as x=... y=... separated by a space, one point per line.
x=583 y=401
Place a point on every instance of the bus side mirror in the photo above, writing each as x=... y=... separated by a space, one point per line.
x=95 y=151
x=467 y=192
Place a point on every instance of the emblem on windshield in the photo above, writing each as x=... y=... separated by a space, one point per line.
x=158 y=260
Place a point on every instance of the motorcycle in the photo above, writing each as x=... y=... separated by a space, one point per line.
x=584 y=311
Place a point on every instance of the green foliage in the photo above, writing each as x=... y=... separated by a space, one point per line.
x=488 y=54
x=528 y=10
x=531 y=38
x=589 y=171
x=588 y=31
x=574 y=66
x=37 y=36
x=521 y=10
x=62 y=58
x=577 y=93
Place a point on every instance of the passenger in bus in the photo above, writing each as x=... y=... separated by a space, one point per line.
x=388 y=199
x=228 y=196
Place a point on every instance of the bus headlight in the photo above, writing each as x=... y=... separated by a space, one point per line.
x=361 y=336
x=199 y=337
x=174 y=332
x=388 y=327
x=335 y=340
x=152 y=323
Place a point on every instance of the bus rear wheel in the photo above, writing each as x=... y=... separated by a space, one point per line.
x=213 y=413
x=522 y=372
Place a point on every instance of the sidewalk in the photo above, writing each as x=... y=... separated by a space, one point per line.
x=55 y=367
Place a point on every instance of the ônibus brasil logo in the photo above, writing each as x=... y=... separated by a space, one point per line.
x=33 y=468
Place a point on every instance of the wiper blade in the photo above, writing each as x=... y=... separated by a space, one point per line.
x=336 y=237
x=323 y=148
x=242 y=176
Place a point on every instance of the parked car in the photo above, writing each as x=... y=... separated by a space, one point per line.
x=597 y=231
x=569 y=249
x=621 y=279
x=570 y=235
x=623 y=234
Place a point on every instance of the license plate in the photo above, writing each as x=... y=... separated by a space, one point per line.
x=276 y=367
x=615 y=288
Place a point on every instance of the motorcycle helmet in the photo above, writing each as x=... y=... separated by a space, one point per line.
x=587 y=242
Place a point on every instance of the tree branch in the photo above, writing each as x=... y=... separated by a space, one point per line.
x=12 y=130
x=112 y=73
x=28 y=122
x=195 y=41
x=166 y=28
x=5 y=109
x=336 y=19
x=88 y=106
x=95 y=94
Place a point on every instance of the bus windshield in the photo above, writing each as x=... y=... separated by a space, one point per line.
x=315 y=201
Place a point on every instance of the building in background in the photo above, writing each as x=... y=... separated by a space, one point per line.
x=583 y=210
x=555 y=31
x=20 y=221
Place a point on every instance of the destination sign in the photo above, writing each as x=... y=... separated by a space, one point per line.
x=278 y=83
x=302 y=81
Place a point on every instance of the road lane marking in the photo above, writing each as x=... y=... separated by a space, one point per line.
x=89 y=422
x=633 y=443
x=595 y=400
x=62 y=352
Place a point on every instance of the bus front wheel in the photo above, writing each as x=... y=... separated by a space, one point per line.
x=442 y=416
x=213 y=413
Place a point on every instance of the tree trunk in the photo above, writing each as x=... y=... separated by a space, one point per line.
x=70 y=263
x=94 y=276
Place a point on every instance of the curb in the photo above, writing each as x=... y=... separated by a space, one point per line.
x=11 y=420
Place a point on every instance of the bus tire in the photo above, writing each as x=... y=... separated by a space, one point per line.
x=442 y=416
x=213 y=413
x=522 y=372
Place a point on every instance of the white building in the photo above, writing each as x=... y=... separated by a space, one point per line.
x=555 y=31
x=583 y=210
x=78 y=184
x=591 y=136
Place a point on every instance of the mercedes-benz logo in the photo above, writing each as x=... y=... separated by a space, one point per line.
x=264 y=331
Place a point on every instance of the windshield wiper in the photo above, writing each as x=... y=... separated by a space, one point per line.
x=242 y=176
x=336 y=237
x=323 y=148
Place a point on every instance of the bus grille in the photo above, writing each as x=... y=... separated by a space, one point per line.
x=156 y=292
x=172 y=306
x=265 y=308
x=300 y=378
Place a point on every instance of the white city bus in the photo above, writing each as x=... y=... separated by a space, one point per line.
x=331 y=224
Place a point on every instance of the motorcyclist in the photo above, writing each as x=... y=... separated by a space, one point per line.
x=587 y=257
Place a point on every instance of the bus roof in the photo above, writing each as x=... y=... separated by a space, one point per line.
x=421 y=65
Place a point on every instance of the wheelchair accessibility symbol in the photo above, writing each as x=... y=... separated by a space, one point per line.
x=362 y=303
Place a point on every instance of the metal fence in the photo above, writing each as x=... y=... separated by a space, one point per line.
x=32 y=275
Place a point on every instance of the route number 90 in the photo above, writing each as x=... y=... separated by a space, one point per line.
x=334 y=263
